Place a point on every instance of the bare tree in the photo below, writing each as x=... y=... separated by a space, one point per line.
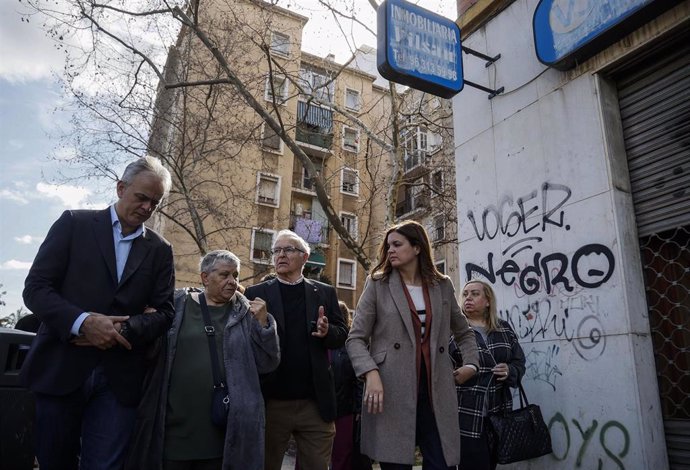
x=172 y=78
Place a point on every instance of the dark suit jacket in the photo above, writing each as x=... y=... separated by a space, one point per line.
x=74 y=272
x=316 y=294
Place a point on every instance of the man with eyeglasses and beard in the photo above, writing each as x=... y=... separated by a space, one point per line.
x=300 y=394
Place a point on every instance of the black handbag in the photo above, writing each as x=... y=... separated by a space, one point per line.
x=220 y=401
x=520 y=434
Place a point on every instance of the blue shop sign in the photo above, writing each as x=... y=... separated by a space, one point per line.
x=567 y=32
x=419 y=48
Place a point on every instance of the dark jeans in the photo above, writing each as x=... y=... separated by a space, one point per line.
x=426 y=433
x=86 y=429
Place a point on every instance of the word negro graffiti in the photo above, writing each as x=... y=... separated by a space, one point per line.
x=591 y=266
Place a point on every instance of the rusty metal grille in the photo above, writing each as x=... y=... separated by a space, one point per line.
x=666 y=261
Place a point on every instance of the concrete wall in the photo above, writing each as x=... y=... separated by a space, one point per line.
x=543 y=216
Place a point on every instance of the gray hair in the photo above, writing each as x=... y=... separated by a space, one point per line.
x=151 y=164
x=209 y=260
x=303 y=245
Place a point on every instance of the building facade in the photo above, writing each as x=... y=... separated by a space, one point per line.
x=236 y=182
x=574 y=202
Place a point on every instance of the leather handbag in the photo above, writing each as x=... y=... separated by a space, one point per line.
x=520 y=434
x=220 y=400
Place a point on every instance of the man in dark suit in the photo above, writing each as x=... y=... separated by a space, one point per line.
x=300 y=394
x=93 y=277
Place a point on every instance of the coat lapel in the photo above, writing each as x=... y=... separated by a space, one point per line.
x=103 y=230
x=398 y=294
x=140 y=249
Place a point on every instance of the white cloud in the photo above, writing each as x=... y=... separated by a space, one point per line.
x=73 y=197
x=14 y=265
x=15 y=196
x=28 y=239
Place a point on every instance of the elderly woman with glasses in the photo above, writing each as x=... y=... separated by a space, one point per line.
x=174 y=429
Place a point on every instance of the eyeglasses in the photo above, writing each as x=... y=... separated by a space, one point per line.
x=288 y=250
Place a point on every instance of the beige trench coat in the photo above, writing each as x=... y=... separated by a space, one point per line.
x=382 y=337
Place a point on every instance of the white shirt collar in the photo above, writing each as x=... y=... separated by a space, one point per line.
x=115 y=222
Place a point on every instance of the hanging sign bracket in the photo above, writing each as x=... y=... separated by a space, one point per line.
x=489 y=61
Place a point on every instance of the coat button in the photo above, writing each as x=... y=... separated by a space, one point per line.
x=441 y=349
x=396 y=345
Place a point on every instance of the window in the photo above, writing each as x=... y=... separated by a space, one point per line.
x=349 y=181
x=307 y=182
x=280 y=43
x=415 y=196
x=262 y=241
x=415 y=143
x=347 y=274
x=437 y=181
x=268 y=189
x=441 y=266
x=276 y=86
x=350 y=139
x=439 y=229
x=270 y=140
x=349 y=221
x=317 y=84
x=352 y=99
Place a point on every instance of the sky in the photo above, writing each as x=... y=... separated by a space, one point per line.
x=31 y=195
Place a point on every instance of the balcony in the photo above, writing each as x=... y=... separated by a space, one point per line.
x=414 y=159
x=314 y=127
x=412 y=204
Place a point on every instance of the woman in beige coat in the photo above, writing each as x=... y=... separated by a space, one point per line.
x=398 y=345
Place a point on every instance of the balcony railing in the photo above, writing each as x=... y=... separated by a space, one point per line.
x=314 y=125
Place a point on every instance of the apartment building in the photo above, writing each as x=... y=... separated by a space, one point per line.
x=236 y=182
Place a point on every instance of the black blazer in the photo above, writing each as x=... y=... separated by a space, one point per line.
x=74 y=272
x=316 y=294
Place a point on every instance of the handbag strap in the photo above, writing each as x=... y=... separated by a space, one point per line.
x=523 y=396
x=210 y=336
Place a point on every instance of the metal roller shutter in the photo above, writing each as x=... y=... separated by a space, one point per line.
x=655 y=111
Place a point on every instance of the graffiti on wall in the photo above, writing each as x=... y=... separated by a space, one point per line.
x=542 y=365
x=606 y=445
x=590 y=266
x=557 y=275
x=554 y=291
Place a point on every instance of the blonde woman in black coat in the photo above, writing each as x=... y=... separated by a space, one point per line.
x=501 y=366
